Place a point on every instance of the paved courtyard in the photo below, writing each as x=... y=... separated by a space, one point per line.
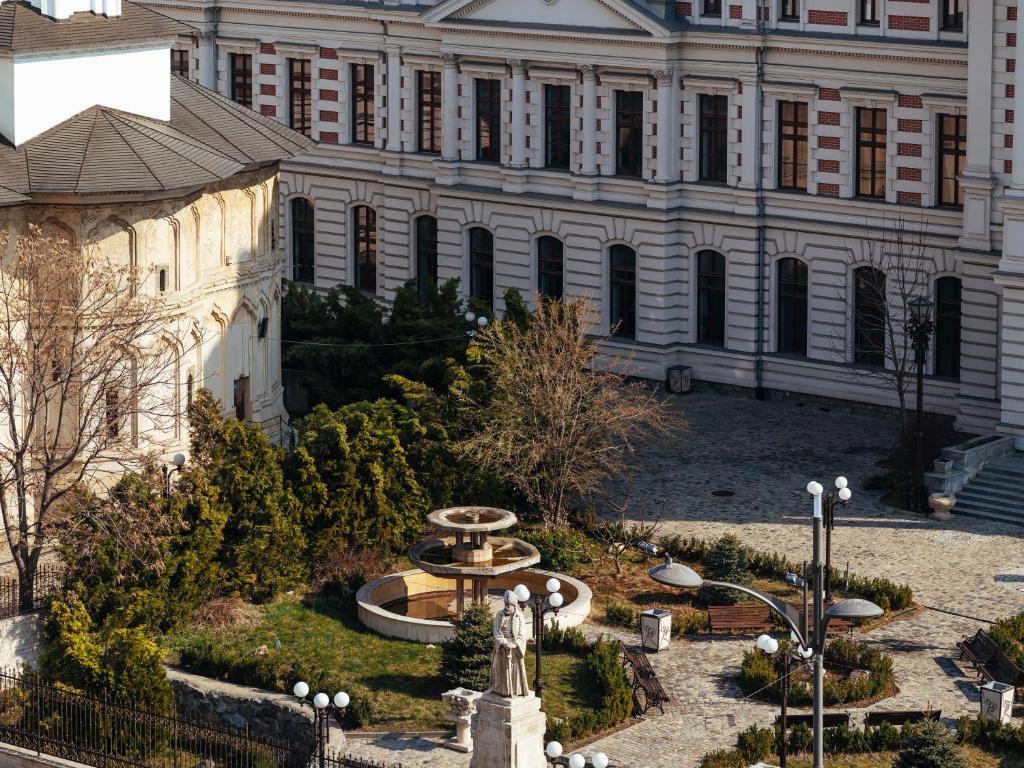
x=766 y=452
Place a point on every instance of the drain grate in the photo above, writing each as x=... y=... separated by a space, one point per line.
x=723 y=492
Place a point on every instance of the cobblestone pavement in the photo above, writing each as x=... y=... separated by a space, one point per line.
x=766 y=452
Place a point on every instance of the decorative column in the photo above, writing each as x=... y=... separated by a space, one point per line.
x=450 y=107
x=589 y=120
x=976 y=180
x=518 y=113
x=394 y=100
x=208 y=60
x=668 y=127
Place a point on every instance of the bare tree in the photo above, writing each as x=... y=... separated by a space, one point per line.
x=82 y=374
x=553 y=424
x=615 y=528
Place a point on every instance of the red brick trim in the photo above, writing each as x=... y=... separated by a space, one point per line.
x=268 y=110
x=910 y=102
x=829 y=94
x=828 y=190
x=908 y=174
x=828 y=142
x=328 y=95
x=828 y=166
x=908 y=198
x=908 y=126
x=329 y=137
x=267 y=48
x=910 y=23
x=827 y=18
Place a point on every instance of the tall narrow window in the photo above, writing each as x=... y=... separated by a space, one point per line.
x=190 y=385
x=869 y=327
x=179 y=62
x=952 y=157
x=303 y=229
x=428 y=116
x=481 y=265
x=869 y=12
x=947 y=327
x=622 y=285
x=953 y=15
x=791 y=310
x=550 y=267
x=556 y=126
x=711 y=298
x=240 y=396
x=714 y=138
x=365 y=247
x=426 y=252
x=871 y=138
x=629 y=133
x=362 y=104
x=241 y=79
x=793 y=145
x=114 y=414
x=488 y=120
x=789 y=10
x=711 y=7
x=300 y=96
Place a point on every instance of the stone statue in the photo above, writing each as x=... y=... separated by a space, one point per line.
x=508 y=660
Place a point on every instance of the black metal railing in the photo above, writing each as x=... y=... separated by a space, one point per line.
x=335 y=760
x=49 y=580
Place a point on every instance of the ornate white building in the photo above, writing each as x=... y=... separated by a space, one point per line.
x=711 y=182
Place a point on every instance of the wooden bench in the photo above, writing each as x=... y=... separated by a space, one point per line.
x=988 y=659
x=829 y=719
x=740 y=618
x=901 y=716
x=834 y=625
x=647 y=690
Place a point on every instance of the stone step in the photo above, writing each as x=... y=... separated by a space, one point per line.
x=981 y=491
x=994 y=481
x=968 y=510
x=1003 y=473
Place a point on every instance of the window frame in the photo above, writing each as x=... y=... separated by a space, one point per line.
x=952 y=15
x=711 y=298
x=425 y=252
x=622 y=286
x=481 y=265
x=241 y=78
x=550 y=266
x=869 y=327
x=713 y=138
x=878 y=152
x=791 y=341
x=788 y=133
x=711 y=8
x=789 y=10
x=959 y=154
x=629 y=121
x=557 y=126
x=364 y=247
x=487 y=93
x=869 y=14
x=303 y=230
x=179 y=57
x=428 y=112
x=300 y=96
x=362 y=104
x=942 y=339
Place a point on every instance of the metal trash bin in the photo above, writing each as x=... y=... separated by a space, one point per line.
x=997 y=701
x=679 y=379
x=655 y=629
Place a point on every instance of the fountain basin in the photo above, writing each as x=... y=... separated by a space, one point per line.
x=389 y=605
x=455 y=559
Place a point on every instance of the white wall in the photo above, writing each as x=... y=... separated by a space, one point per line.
x=7 y=98
x=48 y=91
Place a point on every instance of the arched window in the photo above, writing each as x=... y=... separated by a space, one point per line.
x=481 y=265
x=426 y=252
x=550 y=267
x=869 y=329
x=303 y=241
x=711 y=298
x=791 y=314
x=947 y=327
x=622 y=291
x=365 y=247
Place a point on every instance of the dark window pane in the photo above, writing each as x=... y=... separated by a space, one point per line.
x=869 y=313
x=363 y=128
x=947 y=327
x=426 y=251
x=300 y=96
x=711 y=298
x=871 y=152
x=952 y=158
x=711 y=8
x=622 y=291
x=789 y=10
x=869 y=12
x=179 y=62
x=365 y=246
x=303 y=229
x=481 y=265
x=714 y=138
x=953 y=15
x=488 y=120
x=792 y=145
x=428 y=117
x=556 y=126
x=791 y=314
x=550 y=267
x=241 y=79
x=629 y=127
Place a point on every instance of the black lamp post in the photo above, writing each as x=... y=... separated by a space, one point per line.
x=323 y=708
x=179 y=463
x=541 y=607
x=770 y=646
x=838 y=495
x=919 y=328
x=556 y=756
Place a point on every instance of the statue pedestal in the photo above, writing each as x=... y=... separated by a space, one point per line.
x=508 y=732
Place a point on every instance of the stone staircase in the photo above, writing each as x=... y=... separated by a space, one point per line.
x=996 y=492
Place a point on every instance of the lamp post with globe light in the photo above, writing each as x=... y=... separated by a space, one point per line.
x=770 y=646
x=323 y=707
x=541 y=607
x=840 y=495
x=554 y=753
x=811 y=642
x=179 y=463
x=919 y=329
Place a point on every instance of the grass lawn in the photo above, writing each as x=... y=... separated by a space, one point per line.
x=975 y=758
x=331 y=650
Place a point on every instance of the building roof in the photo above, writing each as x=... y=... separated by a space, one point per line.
x=104 y=150
x=23 y=29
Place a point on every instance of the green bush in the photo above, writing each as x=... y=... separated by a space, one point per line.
x=723 y=758
x=930 y=745
x=759 y=675
x=604 y=667
x=689 y=623
x=620 y=614
x=991 y=734
x=466 y=657
x=1008 y=634
x=726 y=561
x=801 y=738
x=755 y=744
x=570 y=639
x=884 y=737
x=561 y=549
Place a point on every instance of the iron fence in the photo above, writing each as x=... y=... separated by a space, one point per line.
x=49 y=580
x=336 y=760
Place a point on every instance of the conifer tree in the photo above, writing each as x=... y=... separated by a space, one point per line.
x=931 y=745
x=726 y=561
x=466 y=658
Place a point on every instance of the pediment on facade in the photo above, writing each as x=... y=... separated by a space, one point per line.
x=610 y=16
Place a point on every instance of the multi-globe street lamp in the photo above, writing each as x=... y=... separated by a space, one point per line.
x=770 y=646
x=541 y=607
x=840 y=495
x=554 y=753
x=811 y=641
x=323 y=707
x=919 y=328
x=179 y=463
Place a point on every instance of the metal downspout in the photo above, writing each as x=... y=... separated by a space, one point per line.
x=759 y=392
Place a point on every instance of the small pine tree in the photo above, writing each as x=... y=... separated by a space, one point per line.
x=466 y=658
x=931 y=745
x=727 y=561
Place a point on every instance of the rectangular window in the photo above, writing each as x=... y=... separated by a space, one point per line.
x=869 y=12
x=428 y=116
x=711 y=8
x=953 y=15
x=623 y=291
x=241 y=79
x=952 y=157
x=179 y=62
x=714 y=138
x=789 y=10
x=871 y=138
x=362 y=104
x=556 y=126
x=488 y=120
x=629 y=130
x=300 y=96
x=426 y=253
x=793 y=145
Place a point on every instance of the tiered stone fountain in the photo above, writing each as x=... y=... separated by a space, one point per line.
x=469 y=563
